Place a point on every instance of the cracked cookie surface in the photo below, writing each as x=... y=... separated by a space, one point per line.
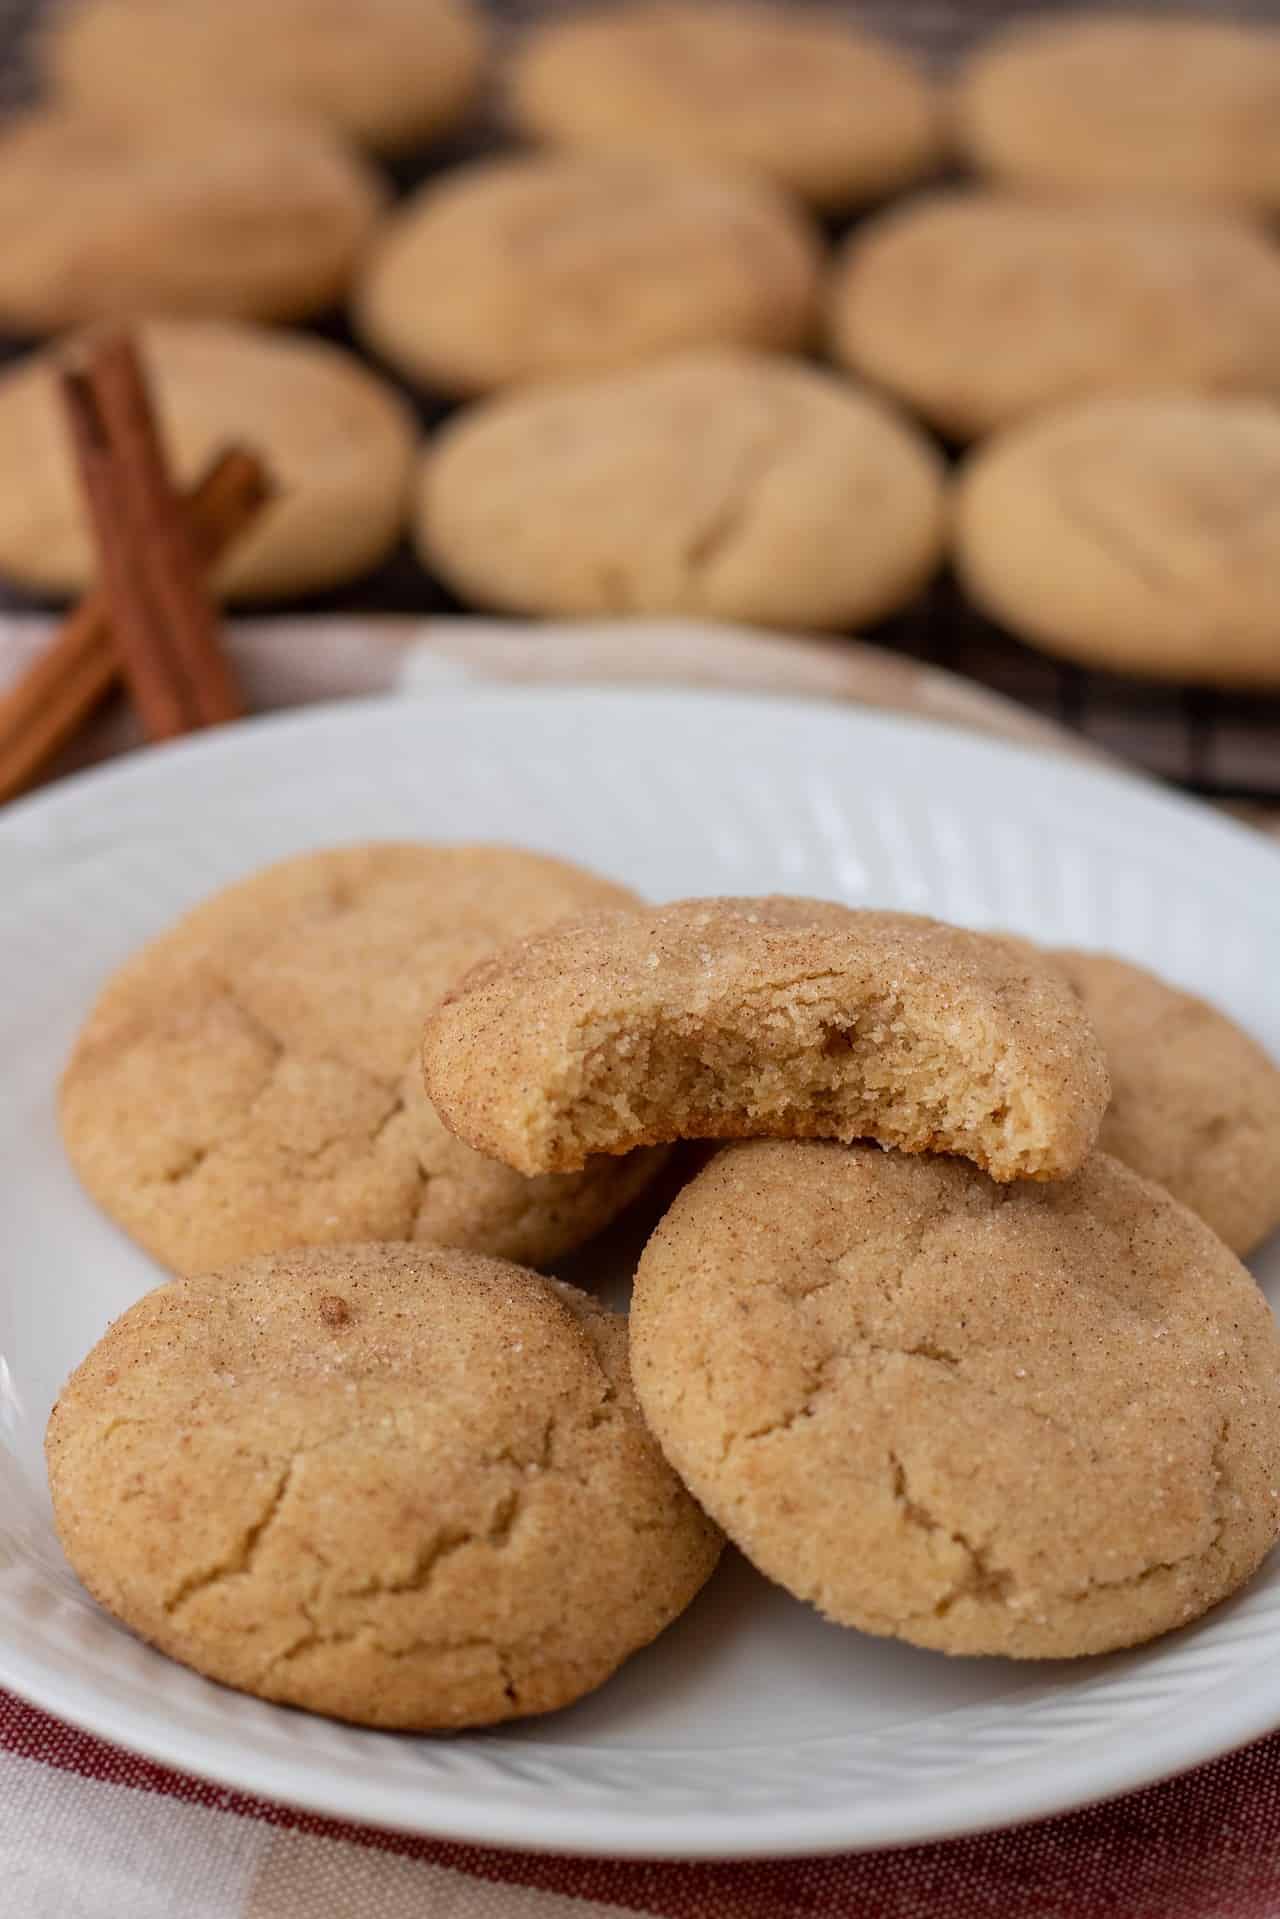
x=1039 y=1421
x=714 y=481
x=250 y=1079
x=777 y=1017
x=1195 y=1101
x=784 y=92
x=538 y=266
x=1136 y=534
x=405 y=1487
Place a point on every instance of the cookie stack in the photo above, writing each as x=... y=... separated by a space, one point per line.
x=935 y=1359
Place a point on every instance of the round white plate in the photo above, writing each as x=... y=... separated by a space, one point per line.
x=751 y=1727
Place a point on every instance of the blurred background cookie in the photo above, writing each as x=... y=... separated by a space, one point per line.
x=976 y=307
x=785 y=91
x=530 y=266
x=1136 y=534
x=1132 y=101
x=387 y=73
x=247 y=218
x=716 y=482
x=338 y=441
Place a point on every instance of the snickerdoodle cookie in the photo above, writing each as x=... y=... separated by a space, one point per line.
x=1134 y=102
x=1140 y=534
x=405 y=1487
x=339 y=442
x=784 y=91
x=715 y=482
x=250 y=1079
x=1033 y=1420
x=530 y=266
x=739 y=1018
x=1195 y=1101
x=978 y=307
x=247 y=220
x=387 y=73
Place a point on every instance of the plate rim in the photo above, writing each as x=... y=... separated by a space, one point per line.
x=1074 y=1781
x=1029 y=1787
x=141 y=765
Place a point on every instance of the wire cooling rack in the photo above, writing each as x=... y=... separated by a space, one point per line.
x=1224 y=746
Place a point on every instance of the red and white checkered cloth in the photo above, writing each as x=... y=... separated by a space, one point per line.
x=87 y=1832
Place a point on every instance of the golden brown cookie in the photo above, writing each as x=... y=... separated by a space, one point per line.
x=784 y=91
x=1135 y=102
x=977 y=307
x=339 y=442
x=1195 y=1101
x=244 y=219
x=1137 y=534
x=250 y=1079
x=739 y=1018
x=716 y=482
x=404 y=1487
x=386 y=73
x=531 y=266
x=1041 y=1421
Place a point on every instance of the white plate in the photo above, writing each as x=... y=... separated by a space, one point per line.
x=751 y=1727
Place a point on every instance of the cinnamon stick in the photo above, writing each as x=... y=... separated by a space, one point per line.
x=58 y=692
x=165 y=627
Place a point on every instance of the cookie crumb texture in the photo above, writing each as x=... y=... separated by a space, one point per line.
x=1039 y=1421
x=250 y=1080
x=716 y=481
x=730 y=1019
x=438 y=1509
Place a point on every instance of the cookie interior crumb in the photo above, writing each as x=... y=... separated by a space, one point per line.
x=732 y=1019
x=830 y=1069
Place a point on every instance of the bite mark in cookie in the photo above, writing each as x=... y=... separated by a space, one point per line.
x=738 y=1018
